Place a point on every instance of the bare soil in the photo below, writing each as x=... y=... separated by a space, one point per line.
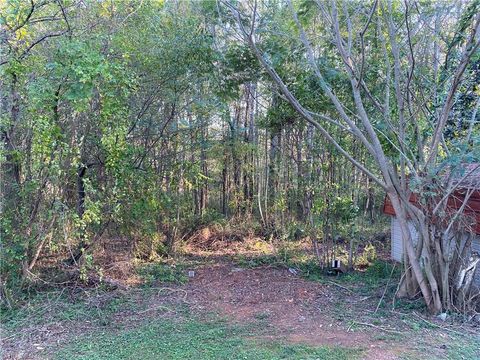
x=294 y=310
x=298 y=310
x=289 y=307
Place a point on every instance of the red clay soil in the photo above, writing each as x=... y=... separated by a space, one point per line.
x=298 y=310
x=291 y=309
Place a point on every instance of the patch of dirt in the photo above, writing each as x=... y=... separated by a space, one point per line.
x=115 y=257
x=216 y=242
x=296 y=309
x=290 y=308
x=287 y=306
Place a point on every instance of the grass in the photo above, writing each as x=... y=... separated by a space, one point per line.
x=51 y=305
x=182 y=337
x=377 y=274
x=193 y=339
x=292 y=254
x=459 y=349
x=251 y=262
x=173 y=333
x=445 y=347
x=158 y=272
x=93 y=305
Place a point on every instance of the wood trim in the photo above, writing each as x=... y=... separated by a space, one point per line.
x=453 y=203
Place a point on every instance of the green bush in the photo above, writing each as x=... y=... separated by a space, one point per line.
x=157 y=272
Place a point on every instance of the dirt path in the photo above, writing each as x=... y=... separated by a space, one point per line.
x=297 y=309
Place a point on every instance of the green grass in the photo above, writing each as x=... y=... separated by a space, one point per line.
x=158 y=272
x=184 y=337
x=445 y=348
x=375 y=275
x=49 y=306
x=93 y=305
x=290 y=254
x=251 y=262
x=459 y=349
x=192 y=339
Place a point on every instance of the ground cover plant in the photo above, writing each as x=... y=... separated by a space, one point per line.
x=211 y=178
x=237 y=307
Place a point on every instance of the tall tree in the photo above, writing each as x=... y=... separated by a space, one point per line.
x=404 y=133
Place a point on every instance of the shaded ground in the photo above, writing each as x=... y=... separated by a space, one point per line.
x=277 y=309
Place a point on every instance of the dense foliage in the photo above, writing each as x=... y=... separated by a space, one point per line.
x=145 y=119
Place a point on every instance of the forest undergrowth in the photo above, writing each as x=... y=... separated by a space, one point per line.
x=237 y=286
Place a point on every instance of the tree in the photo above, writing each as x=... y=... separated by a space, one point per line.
x=401 y=98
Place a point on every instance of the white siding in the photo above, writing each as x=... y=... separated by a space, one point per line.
x=476 y=247
x=397 y=239
x=397 y=244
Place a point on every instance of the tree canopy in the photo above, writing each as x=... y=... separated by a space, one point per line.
x=147 y=119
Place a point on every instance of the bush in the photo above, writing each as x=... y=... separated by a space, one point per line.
x=157 y=272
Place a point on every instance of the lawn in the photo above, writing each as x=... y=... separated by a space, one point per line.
x=191 y=338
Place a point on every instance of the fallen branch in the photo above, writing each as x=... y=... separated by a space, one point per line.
x=155 y=308
x=340 y=286
x=7 y=337
x=379 y=327
x=173 y=290
x=438 y=326
x=97 y=279
x=385 y=290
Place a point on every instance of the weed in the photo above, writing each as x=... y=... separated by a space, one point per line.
x=257 y=261
x=158 y=272
x=262 y=316
x=193 y=339
x=409 y=305
x=374 y=276
x=459 y=349
x=92 y=305
x=446 y=347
